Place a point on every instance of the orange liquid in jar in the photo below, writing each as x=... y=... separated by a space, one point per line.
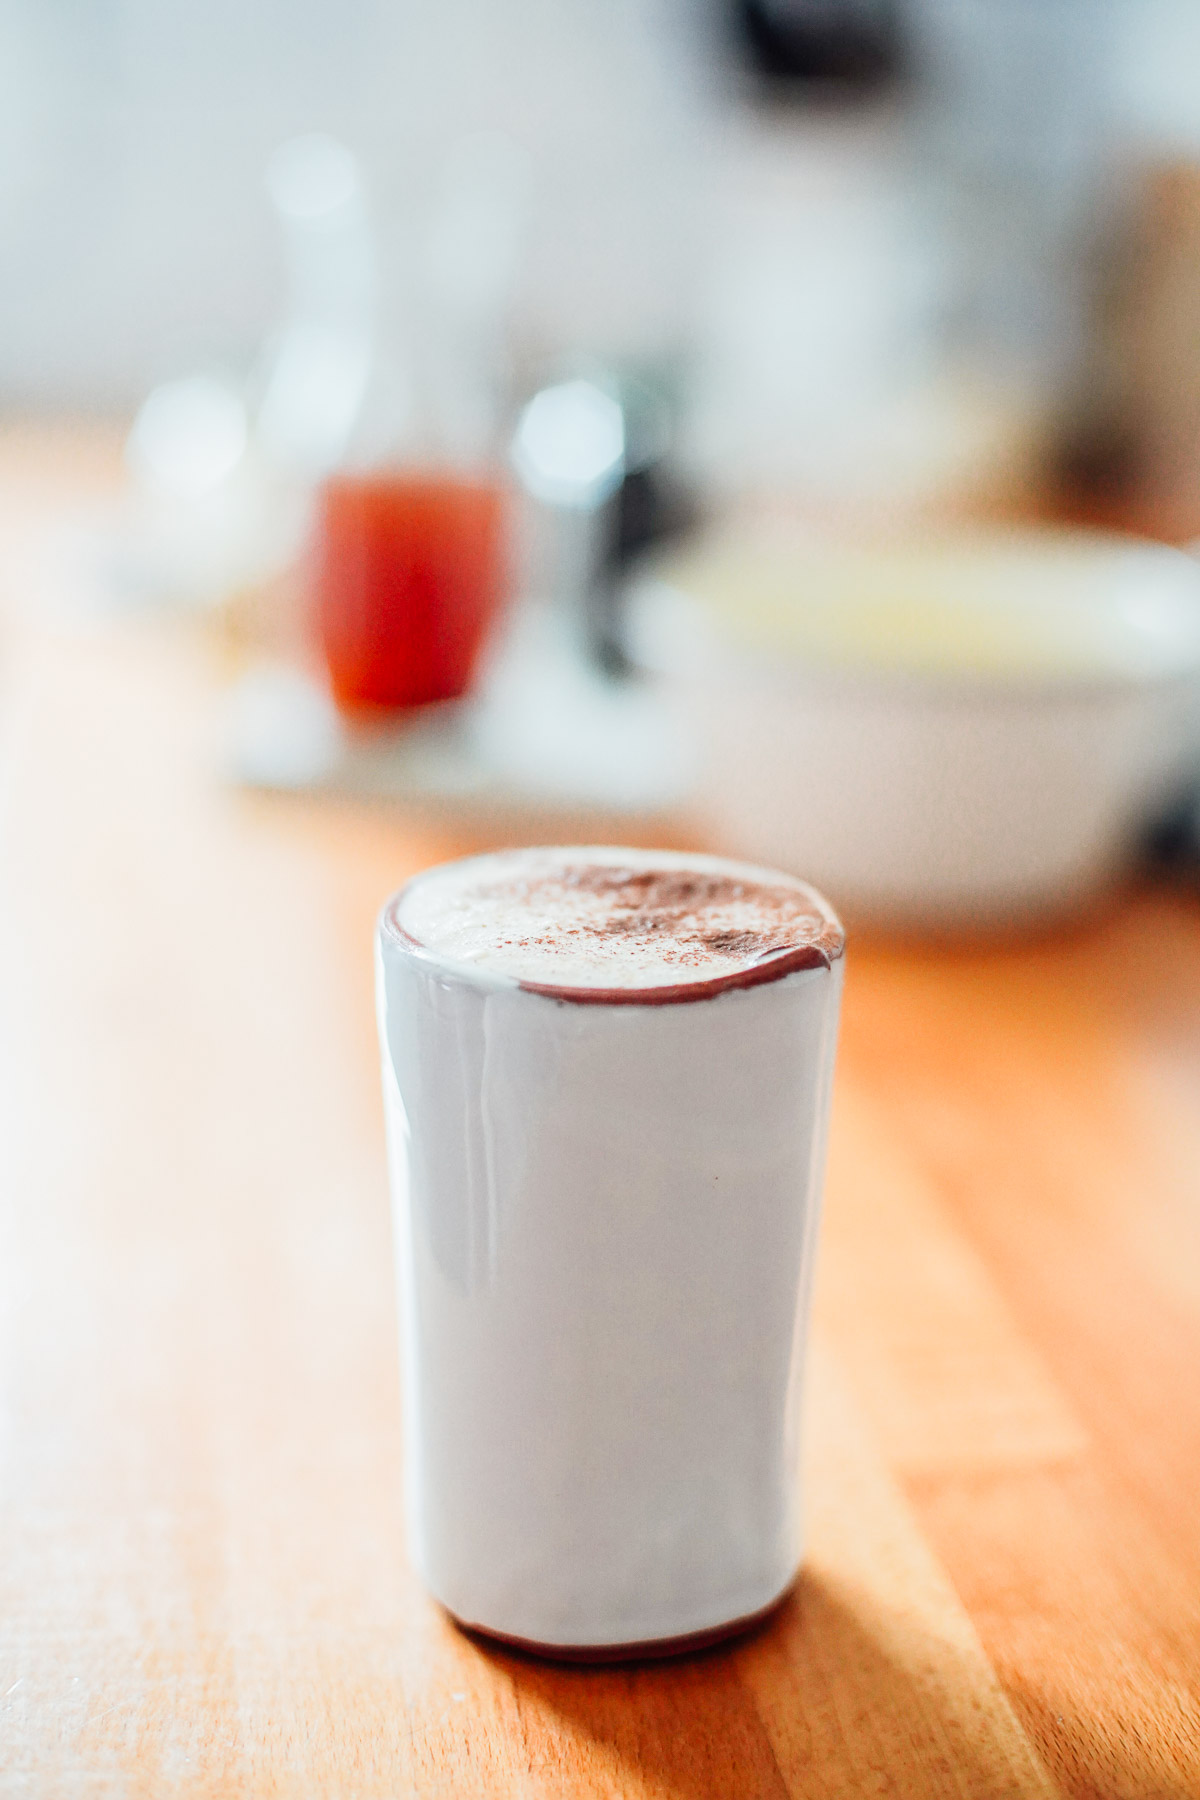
x=410 y=569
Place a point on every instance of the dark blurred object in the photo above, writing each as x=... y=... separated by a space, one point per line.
x=594 y=454
x=652 y=506
x=1131 y=454
x=853 y=43
x=1172 y=846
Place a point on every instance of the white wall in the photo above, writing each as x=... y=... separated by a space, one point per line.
x=135 y=240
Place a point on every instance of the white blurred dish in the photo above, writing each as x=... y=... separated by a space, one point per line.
x=968 y=730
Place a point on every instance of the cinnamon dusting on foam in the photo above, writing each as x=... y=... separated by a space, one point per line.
x=617 y=926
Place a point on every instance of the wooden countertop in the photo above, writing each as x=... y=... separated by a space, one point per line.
x=203 y=1589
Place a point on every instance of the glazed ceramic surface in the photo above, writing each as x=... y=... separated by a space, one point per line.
x=605 y=1219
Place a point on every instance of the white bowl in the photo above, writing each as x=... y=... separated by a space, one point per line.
x=969 y=730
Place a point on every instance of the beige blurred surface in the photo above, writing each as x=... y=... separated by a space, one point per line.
x=204 y=1588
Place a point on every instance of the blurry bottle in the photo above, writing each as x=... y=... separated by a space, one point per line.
x=410 y=552
x=319 y=361
x=409 y=570
x=593 y=455
x=1130 y=452
x=1012 y=123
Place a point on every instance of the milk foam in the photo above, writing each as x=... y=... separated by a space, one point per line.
x=588 y=917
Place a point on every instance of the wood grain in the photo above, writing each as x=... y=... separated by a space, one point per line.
x=203 y=1590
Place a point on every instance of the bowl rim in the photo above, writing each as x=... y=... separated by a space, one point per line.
x=1178 y=666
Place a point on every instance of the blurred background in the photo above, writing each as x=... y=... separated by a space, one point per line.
x=957 y=144
x=781 y=416
x=764 y=426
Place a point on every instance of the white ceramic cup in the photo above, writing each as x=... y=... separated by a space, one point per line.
x=605 y=1215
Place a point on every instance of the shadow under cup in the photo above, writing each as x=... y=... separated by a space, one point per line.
x=605 y=1223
